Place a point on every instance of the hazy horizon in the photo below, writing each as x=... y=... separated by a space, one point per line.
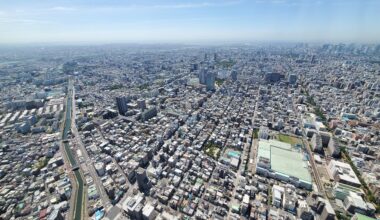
x=198 y=22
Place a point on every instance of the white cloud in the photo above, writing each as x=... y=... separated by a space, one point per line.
x=271 y=1
x=197 y=5
x=62 y=8
x=167 y=6
x=179 y=6
x=23 y=21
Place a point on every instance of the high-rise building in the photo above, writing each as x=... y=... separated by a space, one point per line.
x=234 y=75
x=109 y=113
x=122 y=104
x=316 y=143
x=210 y=81
x=193 y=67
x=272 y=77
x=141 y=104
x=333 y=148
x=149 y=113
x=292 y=79
x=133 y=206
x=142 y=179
x=202 y=76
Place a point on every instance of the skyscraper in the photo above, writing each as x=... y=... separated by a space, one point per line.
x=142 y=180
x=292 y=78
x=121 y=103
x=193 y=67
x=202 y=76
x=273 y=77
x=210 y=81
x=149 y=113
x=141 y=104
x=234 y=75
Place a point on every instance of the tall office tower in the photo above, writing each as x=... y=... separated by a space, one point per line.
x=234 y=75
x=142 y=180
x=292 y=79
x=210 y=81
x=121 y=103
x=193 y=67
x=272 y=77
x=149 y=113
x=141 y=104
x=202 y=76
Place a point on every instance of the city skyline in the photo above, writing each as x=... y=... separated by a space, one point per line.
x=226 y=21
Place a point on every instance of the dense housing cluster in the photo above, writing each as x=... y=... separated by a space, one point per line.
x=189 y=132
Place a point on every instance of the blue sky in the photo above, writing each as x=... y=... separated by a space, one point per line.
x=165 y=21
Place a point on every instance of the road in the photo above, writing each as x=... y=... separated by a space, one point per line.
x=255 y=143
x=313 y=166
x=98 y=183
x=251 y=150
x=79 y=200
x=305 y=141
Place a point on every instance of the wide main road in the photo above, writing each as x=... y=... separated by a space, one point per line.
x=79 y=195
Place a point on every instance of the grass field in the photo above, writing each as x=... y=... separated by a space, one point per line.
x=289 y=139
x=212 y=150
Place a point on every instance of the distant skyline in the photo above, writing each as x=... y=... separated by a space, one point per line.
x=198 y=21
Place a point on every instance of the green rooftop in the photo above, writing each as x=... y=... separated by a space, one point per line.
x=349 y=188
x=363 y=217
x=284 y=160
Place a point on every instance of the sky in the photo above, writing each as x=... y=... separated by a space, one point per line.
x=183 y=21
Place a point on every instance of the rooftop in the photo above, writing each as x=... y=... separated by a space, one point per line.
x=363 y=217
x=283 y=159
